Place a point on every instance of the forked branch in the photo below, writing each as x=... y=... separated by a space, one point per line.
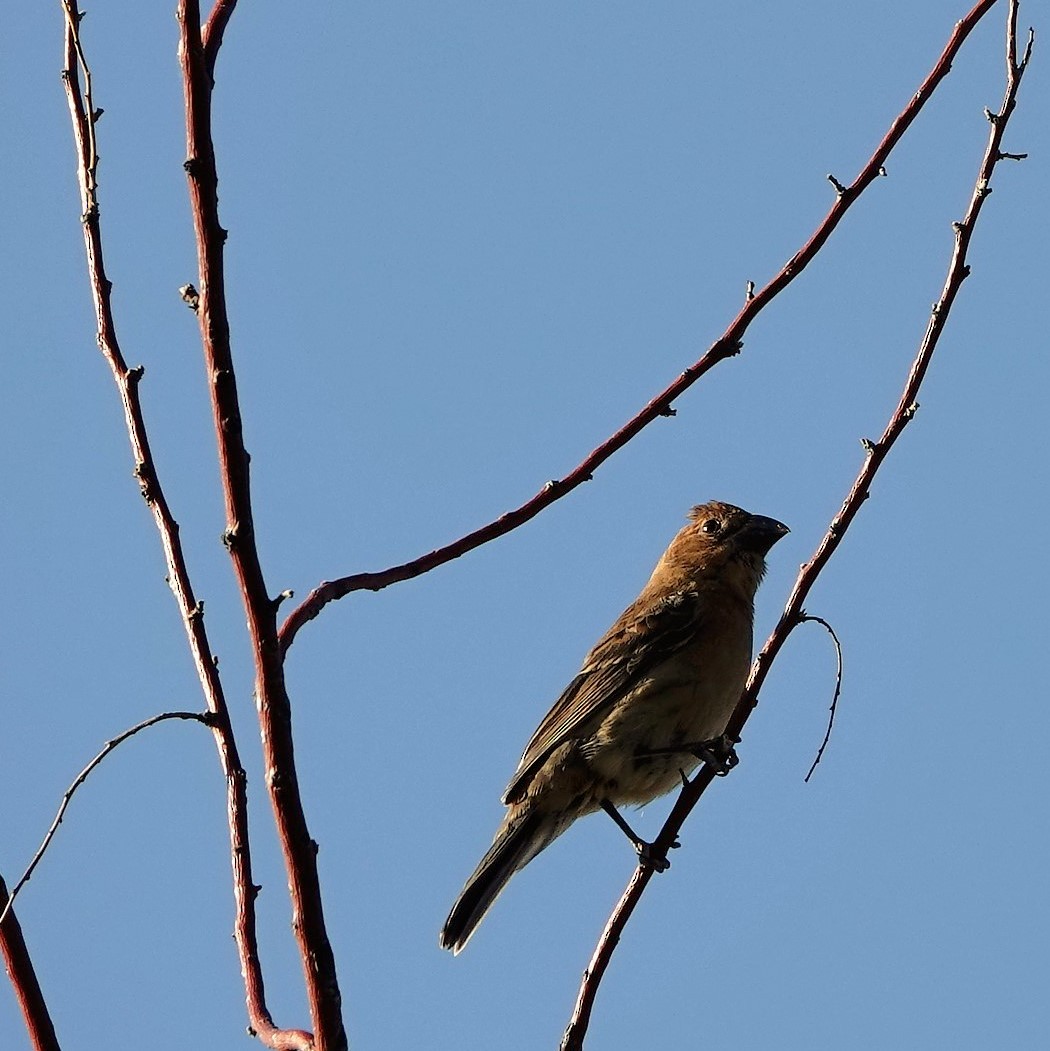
x=876 y=453
x=76 y=77
x=727 y=345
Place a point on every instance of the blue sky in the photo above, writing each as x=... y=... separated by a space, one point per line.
x=467 y=242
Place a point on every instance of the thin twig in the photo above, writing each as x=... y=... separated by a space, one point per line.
x=838 y=688
x=24 y=982
x=67 y=796
x=83 y=114
x=727 y=345
x=274 y=709
x=793 y=611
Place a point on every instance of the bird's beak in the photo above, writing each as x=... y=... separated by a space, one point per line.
x=759 y=534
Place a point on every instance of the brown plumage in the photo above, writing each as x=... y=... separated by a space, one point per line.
x=666 y=675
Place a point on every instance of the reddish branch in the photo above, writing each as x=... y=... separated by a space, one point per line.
x=23 y=978
x=298 y=847
x=876 y=453
x=84 y=116
x=728 y=344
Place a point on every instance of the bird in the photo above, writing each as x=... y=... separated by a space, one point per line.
x=650 y=702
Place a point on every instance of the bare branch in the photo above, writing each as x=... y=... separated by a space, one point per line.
x=213 y=31
x=24 y=981
x=297 y=845
x=727 y=345
x=793 y=614
x=201 y=717
x=83 y=114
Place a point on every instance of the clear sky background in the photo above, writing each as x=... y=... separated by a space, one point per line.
x=467 y=242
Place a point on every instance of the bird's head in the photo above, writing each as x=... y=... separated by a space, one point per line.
x=724 y=543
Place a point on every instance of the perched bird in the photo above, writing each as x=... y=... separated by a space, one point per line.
x=652 y=699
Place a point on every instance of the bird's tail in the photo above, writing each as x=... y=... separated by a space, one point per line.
x=520 y=838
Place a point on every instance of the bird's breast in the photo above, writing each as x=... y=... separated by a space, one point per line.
x=684 y=701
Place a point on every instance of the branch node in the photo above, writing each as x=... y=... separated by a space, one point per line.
x=197 y=612
x=229 y=538
x=749 y=292
x=668 y=411
x=992 y=118
x=135 y=373
x=882 y=173
x=144 y=476
x=1002 y=155
x=96 y=115
x=911 y=410
x=192 y=166
x=839 y=188
x=869 y=448
x=190 y=296
x=282 y=597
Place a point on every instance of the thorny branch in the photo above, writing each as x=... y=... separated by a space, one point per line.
x=793 y=614
x=727 y=345
x=76 y=77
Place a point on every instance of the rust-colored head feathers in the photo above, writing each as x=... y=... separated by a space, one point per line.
x=719 y=537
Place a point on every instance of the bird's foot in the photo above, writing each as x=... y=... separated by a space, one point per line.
x=718 y=752
x=650 y=857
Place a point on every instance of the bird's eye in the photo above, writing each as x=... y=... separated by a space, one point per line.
x=711 y=526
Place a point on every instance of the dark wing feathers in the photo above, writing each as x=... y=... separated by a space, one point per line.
x=625 y=656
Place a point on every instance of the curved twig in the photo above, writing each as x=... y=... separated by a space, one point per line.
x=67 y=796
x=838 y=688
x=793 y=611
x=727 y=345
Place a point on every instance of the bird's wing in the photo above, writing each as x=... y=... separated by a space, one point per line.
x=636 y=644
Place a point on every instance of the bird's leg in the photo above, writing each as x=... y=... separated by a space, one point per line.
x=719 y=752
x=646 y=852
